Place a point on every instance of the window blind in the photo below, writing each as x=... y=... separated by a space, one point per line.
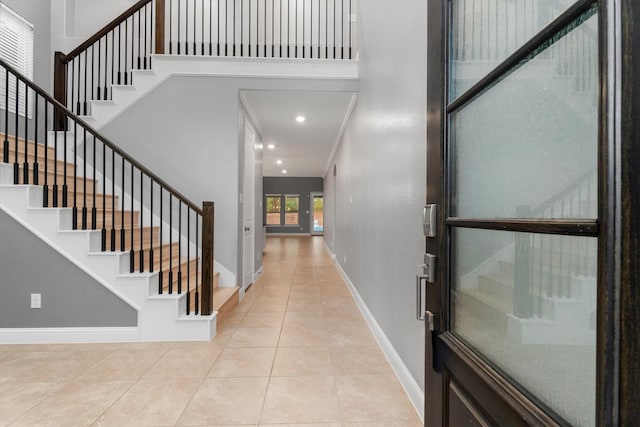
x=16 y=48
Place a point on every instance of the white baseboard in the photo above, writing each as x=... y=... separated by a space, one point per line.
x=68 y=335
x=411 y=387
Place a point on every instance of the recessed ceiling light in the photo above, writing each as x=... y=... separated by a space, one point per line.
x=284 y=171
x=279 y=162
x=271 y=146
x=300 y=119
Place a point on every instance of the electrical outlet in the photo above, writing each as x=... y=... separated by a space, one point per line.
x=36 y=300
x=352 y=17
x=344 y=257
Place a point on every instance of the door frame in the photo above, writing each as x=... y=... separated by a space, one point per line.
x=311 y=212
x=248 y=202
x=617 y=363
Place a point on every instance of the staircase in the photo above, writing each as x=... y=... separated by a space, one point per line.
x=86 y=198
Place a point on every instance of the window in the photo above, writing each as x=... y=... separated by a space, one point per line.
x=16 y=48
x=276 y=216
x=274 y=208
x=292 y=210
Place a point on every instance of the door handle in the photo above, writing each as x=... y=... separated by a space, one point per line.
x=422 y=281
x=420 y=312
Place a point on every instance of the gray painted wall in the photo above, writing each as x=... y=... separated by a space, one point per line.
x=70 y=297
x=293 y=185
x=373 y=207
x=197 y=150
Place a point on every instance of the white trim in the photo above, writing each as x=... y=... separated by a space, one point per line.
x=333 y=255
x=411 y=387
x=68 y=335
x=343 y=127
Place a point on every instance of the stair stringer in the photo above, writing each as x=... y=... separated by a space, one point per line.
x=160 y=317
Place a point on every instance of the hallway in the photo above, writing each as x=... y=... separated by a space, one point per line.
x=296 y=350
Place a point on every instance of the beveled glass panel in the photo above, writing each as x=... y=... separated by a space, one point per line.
x=527 y=147
x=527 y=304
x=485 y=32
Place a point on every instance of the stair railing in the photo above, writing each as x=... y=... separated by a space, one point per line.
x=320 y=29
x=136 y=212
x=546 y=264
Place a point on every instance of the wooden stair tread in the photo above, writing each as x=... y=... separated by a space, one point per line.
x=222 y=295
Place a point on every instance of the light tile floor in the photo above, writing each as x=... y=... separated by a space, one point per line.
x=296 y=351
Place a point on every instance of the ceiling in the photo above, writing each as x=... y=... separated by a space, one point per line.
x=304 y=148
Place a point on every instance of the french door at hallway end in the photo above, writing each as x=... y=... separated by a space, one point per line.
x=516 y=276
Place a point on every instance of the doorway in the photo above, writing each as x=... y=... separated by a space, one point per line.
x=517 y=236
x=248 y=200
x=317 y=214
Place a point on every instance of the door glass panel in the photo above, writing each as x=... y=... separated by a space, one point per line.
x=527 y=303
x=527 y=147
x=486 y=32
x=318 y=214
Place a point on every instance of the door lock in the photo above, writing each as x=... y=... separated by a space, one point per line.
x=422 y=280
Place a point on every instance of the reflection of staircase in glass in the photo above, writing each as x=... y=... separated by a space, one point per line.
x=540 y=289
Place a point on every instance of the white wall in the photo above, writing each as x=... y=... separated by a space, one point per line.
x=381 y=174
x=73 y=21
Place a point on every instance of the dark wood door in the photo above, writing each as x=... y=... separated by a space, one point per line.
x=520 y=169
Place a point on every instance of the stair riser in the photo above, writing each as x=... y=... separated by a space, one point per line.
x=100 y=201
x=109 y=221
x=485 y=314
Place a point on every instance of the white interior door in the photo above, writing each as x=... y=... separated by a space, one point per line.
x=248 y=201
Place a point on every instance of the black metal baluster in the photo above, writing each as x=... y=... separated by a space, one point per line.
x=122 y=233
x=234 y=28
x=304 y=2
x=139 y=41
x=197 y=262
x=113 y=62
x=335 y=19
x=188 y=260
x=104 y=195
x=16 y=163
x=93 y=69
x=219 y=27
x=141 y=223
x=25 y=166
x=249 y=26
x=295 y=13
x=86 y=58
x=351 y=25
x=195 y=26
x=288 y=27
x=146 y=40
x=120 y=54
x=94 y=211
x=257 y=28
x=319 y=26
x=55 y=163
x=170 y=29
x=106 y=65
x=186 y=27
x=226 y=29
x=78 y=103
x=113 y=199
x=5 y=146
x=75 y=175
x=126 y=51
x=45 y=189
x=132 y=252
x=71 y=106
x=210 y=27
x=64 y=177
x=99 y=88
x=342 y=29
x=280 y=31
x=180 y=246
x=178 y=24
x=273 y=29
x=84 y=181
x=151 y=227
x=241 y=27
x=326 y=29
x=265 y=29
x=36 y=165
x=202 y=29
x=161 y=274
x=170 y=243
